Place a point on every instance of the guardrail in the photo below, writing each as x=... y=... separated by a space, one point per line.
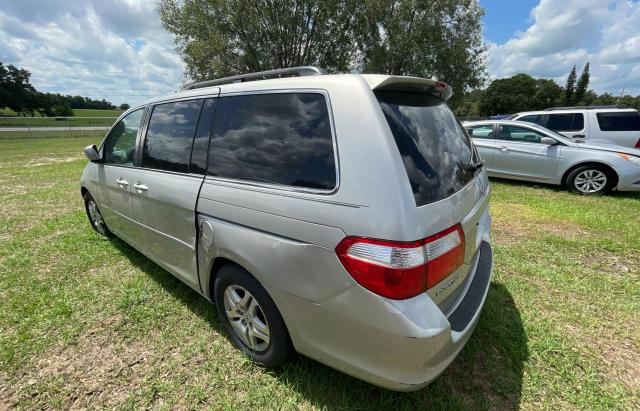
x=55 y=126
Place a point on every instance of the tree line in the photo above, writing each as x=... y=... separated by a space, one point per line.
x=437 y=38
x=522 y=92
x=17 y=93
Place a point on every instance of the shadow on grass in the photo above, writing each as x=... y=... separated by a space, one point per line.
x=487 y=374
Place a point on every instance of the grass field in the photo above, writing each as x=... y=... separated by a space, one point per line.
x=92 y=323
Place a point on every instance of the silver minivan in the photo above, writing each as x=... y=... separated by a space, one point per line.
x=344 y=217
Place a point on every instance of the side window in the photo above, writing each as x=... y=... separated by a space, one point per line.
x=578 y=122
x=519 y=134
x=621 y=121
x=565 y=122
x=200 y=148
x=120 y=145
x=532 y=118
x=172 y=127
x=280 y=138
x=485 y=131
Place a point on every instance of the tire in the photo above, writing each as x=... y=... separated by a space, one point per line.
x=95 y=216
x=236 y=291
x=591 y=180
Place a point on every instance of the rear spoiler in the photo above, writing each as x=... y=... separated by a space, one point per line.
x=403 y=83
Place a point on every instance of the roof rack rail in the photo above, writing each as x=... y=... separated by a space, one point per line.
x=585 y=107
x=295 y=71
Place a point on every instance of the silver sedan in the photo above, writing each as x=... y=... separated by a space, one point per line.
x=525 y=151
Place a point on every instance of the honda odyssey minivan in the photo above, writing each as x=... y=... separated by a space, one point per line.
x=344 y=217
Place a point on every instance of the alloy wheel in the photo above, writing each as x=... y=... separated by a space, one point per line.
x=96 y=218
x=590 y=181
x=246 y=317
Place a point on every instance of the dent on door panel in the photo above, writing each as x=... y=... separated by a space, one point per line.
x=277 y=250
x=165 y=213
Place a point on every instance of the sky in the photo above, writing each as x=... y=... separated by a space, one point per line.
x=118 y=50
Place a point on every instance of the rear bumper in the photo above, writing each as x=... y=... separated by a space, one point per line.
x=399 y=345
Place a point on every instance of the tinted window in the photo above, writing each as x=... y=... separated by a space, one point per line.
x=435 y=150
x=521 y=134
x=565 y=122
x=282 y=138
x=119 y=147
x=201 y=140
x=622 y=121
x=170 y=135
x=533 y=118
x=485 y=131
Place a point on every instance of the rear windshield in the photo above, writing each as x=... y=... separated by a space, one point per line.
x=435 y=149
x=625 y=121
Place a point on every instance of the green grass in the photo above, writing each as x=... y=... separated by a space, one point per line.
x=93 y=324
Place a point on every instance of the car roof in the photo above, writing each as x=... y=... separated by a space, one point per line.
x=375 y=81
x=576 y=110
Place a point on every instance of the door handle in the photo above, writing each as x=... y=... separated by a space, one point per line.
x=122 y=182
x=504 y=148
x=140 y=186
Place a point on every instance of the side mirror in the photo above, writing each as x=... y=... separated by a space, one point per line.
x=92 y=152
x=548 y=141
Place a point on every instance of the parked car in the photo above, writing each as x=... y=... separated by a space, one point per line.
x=343 y=216
x=525 y=151
x=593 y=124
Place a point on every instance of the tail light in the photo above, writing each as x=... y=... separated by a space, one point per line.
x=638 y=143
x=401 y=270
x=440 y=85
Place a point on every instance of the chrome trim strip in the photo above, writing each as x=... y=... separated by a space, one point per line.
x=264 y=212
x=270 y=233
x=263 y=188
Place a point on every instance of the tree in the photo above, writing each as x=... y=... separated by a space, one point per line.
x=605 y=99
x=548 y=94
x=124 y=106
x=218 y=38
x=440 y=38
x=519 y=93
x=569 y=88
x=16 y=91
x=583 y=85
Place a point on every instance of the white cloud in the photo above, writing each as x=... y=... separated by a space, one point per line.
x=564 y=33
x=115 y=49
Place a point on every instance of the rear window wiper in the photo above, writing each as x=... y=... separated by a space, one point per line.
x=476 y=166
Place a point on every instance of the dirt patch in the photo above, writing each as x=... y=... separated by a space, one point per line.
x=515 y=222
x=101 y=369
x=622 y=362
x=97 y=369
x=43 y=161
x=506 y=232
x=614 y=264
